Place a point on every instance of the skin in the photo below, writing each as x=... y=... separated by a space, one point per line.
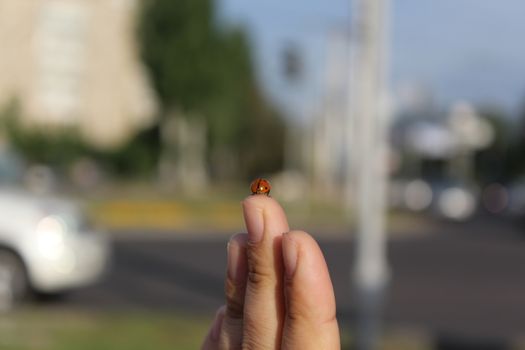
x=278 y=290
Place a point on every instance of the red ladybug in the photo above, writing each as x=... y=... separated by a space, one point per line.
x=261 y=186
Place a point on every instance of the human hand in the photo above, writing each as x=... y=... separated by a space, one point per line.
x=278 y=289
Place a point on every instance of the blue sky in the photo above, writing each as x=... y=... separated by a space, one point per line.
x=470 y=50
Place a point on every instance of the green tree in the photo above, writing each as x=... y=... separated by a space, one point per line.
x=60 y=147
x=205 y=70
x=55 y=147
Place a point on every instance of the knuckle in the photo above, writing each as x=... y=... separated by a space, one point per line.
x=260 y=269
x=260 y=276
x=234 y=300
x=297 y=315
x=249 y=344
x=303 y=314
x=234 y=309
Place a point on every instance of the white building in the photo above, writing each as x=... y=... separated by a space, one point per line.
x=75 y=63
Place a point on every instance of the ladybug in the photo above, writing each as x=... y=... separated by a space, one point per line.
x=261 y=186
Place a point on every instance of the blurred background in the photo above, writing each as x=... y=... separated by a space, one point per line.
x=131 y=129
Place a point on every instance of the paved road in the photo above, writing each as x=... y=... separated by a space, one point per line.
x=460 y=280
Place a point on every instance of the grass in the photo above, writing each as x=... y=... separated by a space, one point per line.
x=59 y=329
x=65 y=330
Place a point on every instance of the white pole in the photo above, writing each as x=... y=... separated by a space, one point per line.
x=369 y=160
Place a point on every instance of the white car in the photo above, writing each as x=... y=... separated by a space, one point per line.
x=45 y=246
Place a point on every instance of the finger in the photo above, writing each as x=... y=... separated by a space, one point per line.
x=264 y=299
x=310 y=321
x=235 y=287
x=211 y=342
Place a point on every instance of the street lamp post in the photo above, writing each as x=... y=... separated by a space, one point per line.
x=367 y=146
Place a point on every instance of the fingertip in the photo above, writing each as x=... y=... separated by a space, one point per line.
x=303 y=241
x=217 y=323
x=301 y=237
x=290 y=253
x=299 y=245
x=237 y=262
x=310 y=285
x=311 y=262
x=263 y=214
x=256 y=198
x=240 y=239
x=211 y=342
x=311 y=321
x=253 y=218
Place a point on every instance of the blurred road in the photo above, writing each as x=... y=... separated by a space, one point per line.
x=466 y=280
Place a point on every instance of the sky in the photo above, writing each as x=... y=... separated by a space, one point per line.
x=456 y=50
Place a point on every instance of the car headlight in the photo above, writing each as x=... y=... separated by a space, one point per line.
x=50 y=236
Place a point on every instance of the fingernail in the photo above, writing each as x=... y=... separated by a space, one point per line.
x=253 y=217
x=233 y=260
x=217 y=324
x=289 y=255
